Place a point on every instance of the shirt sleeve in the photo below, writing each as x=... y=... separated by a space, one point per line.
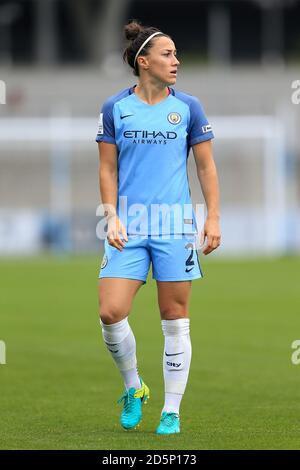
x=106 y=127
x=199 y=128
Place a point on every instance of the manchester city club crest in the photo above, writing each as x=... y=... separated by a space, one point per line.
x=104 y=262
x=174 y=118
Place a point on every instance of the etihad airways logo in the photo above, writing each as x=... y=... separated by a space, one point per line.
x=150 y=137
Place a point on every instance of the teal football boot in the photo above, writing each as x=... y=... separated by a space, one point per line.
x=133 y=399
x=169 y=423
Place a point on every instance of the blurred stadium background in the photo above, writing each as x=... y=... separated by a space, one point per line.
x=59 y=60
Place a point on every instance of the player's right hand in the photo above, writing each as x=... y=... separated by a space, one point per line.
x=115 y=228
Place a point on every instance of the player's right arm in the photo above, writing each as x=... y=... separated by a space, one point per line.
x=108 y=183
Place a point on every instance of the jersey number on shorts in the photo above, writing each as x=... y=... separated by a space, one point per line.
x=189 y=261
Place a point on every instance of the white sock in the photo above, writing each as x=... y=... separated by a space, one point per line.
x=120 y=341
x=176 y=361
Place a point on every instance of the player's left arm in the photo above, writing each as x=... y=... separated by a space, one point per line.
x=208 y=178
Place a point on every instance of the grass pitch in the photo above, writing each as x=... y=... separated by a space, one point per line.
x=59 y=387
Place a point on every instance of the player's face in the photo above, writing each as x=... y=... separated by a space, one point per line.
x=162 y=61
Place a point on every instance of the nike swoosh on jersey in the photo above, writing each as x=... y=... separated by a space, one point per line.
x=127 y=115
x=176 y=354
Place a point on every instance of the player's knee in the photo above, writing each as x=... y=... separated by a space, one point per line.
x=111 y=314
x=174 y=312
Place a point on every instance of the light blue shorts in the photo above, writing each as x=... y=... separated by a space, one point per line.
x=173 y=259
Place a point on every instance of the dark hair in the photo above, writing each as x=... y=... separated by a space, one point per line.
x=136 y=34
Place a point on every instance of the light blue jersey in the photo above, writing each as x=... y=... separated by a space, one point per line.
x=153 y=143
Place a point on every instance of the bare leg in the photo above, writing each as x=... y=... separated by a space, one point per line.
x=173 y=299
x=115 y=298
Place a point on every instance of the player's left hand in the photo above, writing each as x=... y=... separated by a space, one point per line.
x=211 y=234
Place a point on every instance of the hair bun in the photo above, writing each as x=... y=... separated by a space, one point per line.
x=132 y=30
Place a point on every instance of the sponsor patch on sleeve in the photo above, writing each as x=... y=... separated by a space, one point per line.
x=206 y=128
x=100 y=124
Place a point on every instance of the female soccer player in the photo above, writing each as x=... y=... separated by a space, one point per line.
x=144 y=137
